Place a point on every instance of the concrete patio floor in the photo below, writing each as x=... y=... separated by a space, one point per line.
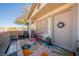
x=15 y=49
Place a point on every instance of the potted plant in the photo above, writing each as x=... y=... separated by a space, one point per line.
x=48 y=40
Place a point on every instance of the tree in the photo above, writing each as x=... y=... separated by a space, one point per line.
x=22 y=21
x=12 y=29
x=2 y=28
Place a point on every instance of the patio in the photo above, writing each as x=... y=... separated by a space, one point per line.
x=34 y=47
x=47 y=30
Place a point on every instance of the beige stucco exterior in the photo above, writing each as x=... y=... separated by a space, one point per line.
x=43 y=18
x=45 y=11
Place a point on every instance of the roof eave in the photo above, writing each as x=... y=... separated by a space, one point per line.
x=31 y=10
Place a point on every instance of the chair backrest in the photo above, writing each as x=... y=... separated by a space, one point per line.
x=25 y=33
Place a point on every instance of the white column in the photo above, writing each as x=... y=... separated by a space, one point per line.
x=50 y=26
x=35 y=26
x=78 y=24
x=29 y=28
x=78 y=21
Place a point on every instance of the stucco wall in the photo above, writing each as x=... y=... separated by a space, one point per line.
x=74 y=24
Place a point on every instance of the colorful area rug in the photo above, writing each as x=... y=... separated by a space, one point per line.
x=43 y=49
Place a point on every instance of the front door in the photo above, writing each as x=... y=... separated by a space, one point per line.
x=62 y=30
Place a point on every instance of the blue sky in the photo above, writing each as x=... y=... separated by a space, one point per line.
x=9 y=12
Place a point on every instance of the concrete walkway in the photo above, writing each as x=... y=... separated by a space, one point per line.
x=15 y=49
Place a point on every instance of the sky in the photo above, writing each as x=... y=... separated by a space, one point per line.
x=10 y=11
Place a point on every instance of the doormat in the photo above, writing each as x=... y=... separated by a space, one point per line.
x=63 y=51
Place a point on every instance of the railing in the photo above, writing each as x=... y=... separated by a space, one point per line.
x=5 y=40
